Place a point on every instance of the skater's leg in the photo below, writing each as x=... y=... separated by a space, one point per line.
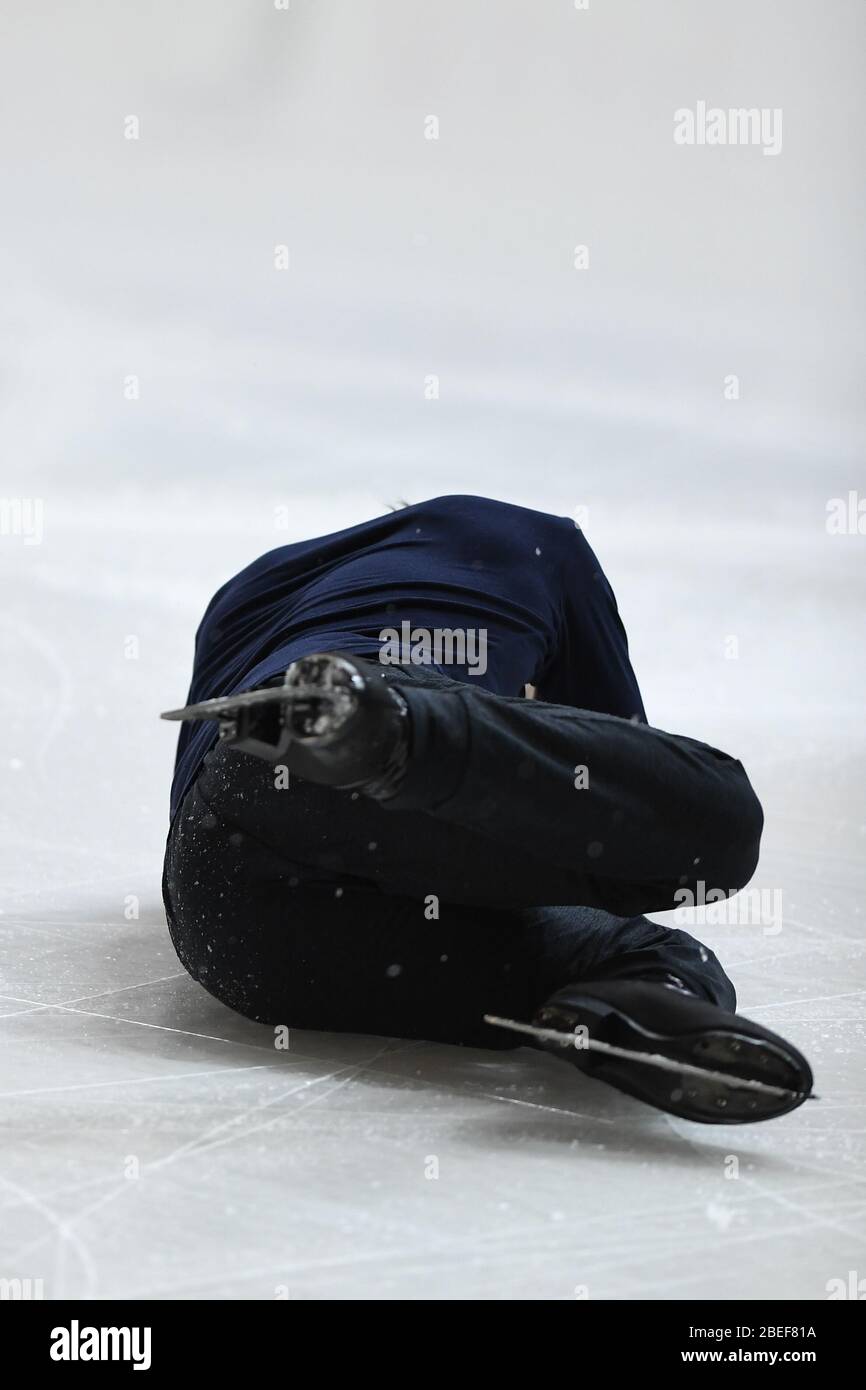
x=586 y=943
x=284 y=941
x=600 y=811
x=563 y=805
x=295 y=944
x=628 y=813
x=409 y=853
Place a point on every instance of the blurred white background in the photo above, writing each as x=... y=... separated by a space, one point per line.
x=306 y=127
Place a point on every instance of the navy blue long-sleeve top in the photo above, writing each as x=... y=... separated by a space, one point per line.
x=528 y=581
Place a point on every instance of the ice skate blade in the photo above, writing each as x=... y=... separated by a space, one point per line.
x=224 y=706
x=652 y=1059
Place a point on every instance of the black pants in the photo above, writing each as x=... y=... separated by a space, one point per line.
x=517 y=858
x=321 y=909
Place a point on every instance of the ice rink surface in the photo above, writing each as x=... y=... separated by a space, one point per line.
x=173 y=405
x=156 y=1145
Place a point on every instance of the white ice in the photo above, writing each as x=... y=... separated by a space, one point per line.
x=152 y=1143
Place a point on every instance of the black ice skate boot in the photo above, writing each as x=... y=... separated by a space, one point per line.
x=331 y=720
x=662 y=1044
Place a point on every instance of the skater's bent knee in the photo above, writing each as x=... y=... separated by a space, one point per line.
x=744 y=823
